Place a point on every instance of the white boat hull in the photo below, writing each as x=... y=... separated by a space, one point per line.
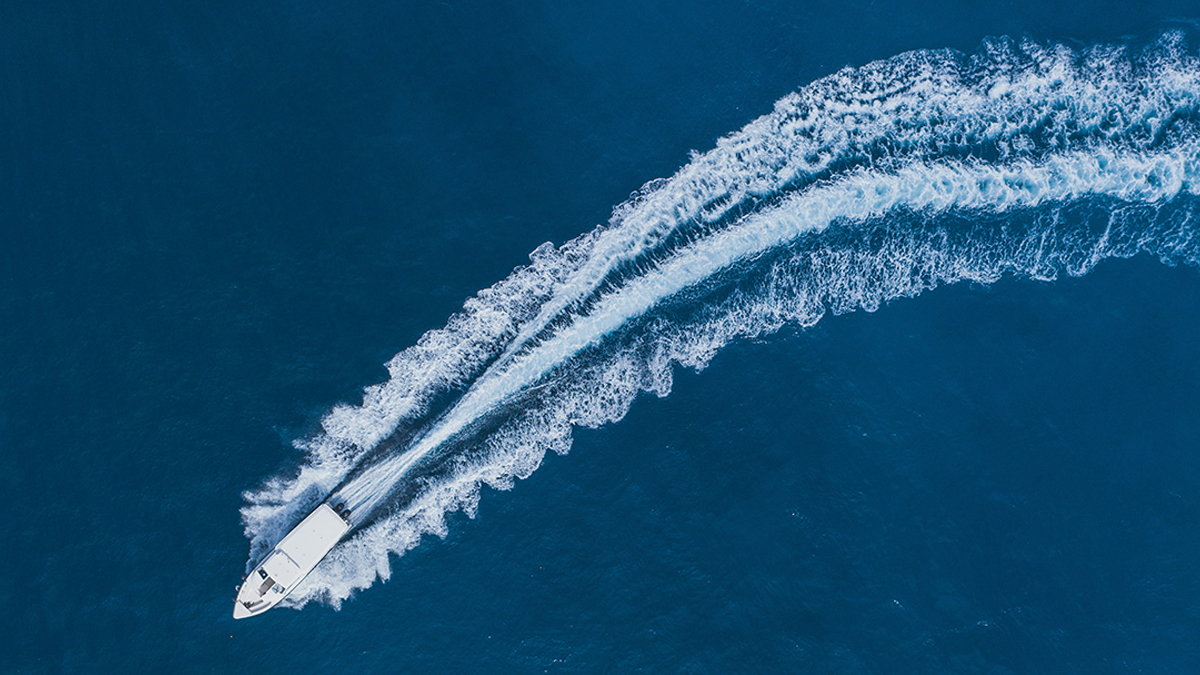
x=290 y=561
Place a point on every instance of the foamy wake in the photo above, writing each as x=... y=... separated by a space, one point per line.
x=871 y=184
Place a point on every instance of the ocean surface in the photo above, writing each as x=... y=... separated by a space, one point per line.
x=661 y=337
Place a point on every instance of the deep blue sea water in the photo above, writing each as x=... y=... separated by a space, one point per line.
x=218 y=222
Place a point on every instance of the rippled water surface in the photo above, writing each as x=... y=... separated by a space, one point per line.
x=888 y=363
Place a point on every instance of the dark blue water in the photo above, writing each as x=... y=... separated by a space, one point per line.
x=220 y=221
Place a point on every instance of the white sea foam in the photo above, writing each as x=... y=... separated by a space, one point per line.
x=904 y=136
x=601 y=391
x=914 y=105
x=863 y=195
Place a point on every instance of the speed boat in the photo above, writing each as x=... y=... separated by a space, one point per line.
x=291 y=560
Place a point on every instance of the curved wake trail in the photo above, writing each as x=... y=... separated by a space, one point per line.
x=931 y=189
x=945 y=167
x=915 y=105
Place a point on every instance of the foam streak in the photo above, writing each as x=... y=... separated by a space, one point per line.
x=933 y=189
x=925 y=137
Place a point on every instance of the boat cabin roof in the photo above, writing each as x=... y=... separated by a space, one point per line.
x=310 y=540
